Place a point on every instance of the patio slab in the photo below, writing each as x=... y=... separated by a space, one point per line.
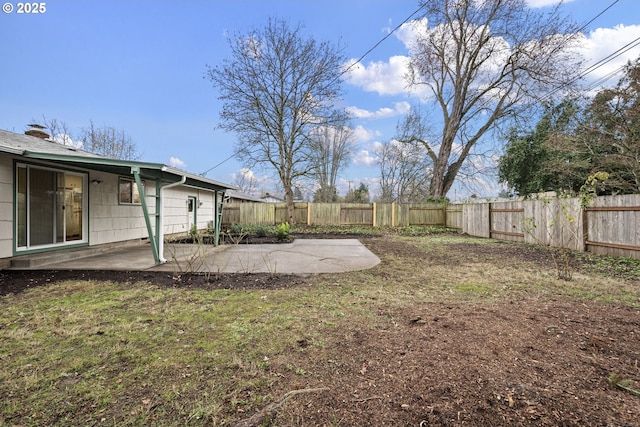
x=302 y=256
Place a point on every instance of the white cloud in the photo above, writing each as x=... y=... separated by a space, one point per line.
x=364 y=158
x=398 y=109
x=361 y=134
x=177 y=163
x=64 y=139
x=382 y=77
x=603 y=42
x=409 y=32
x=544 y=3
x=247 y=174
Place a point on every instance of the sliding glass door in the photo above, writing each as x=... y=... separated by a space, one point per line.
x=50 y=207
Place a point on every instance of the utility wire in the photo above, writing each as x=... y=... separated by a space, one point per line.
x=343 y=72
x=597 y=16
x=597 y=65
x=213 y=167
x=346 y=70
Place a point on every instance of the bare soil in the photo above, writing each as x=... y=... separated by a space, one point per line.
x=512 y=362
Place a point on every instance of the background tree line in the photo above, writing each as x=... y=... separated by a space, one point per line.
x=484 y=64
x=576 y=138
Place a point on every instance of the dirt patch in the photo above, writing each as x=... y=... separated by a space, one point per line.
x=513 y=362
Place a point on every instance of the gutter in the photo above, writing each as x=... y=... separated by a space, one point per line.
x=161 y=222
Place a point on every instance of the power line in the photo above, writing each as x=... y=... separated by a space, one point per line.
x=597 y=65
x=213 y=167
x=597 y=16
x=343 y=72
x=380 y=42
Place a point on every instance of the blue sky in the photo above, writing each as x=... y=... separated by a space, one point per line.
x=140 y=66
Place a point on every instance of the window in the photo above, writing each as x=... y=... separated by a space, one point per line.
x=51 y=207
x=128 y=192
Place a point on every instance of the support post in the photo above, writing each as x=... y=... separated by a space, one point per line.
x=374 y=214
x=145 y=210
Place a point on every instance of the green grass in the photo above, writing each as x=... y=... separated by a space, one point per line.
x=86 y=353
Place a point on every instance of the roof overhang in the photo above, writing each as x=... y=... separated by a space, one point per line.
x=155 y=171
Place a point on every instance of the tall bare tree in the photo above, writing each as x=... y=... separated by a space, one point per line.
x=485 y=62
x=246 y=181
x=109 y=141
x=404 y=172
x=275 y=88
x=106 y=140
x=331 y=149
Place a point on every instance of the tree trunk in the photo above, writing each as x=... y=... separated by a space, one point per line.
x=288 y=198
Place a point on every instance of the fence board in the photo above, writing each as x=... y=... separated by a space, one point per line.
x=324 y=214
x=384 y=214
x=356 y=214
x=453 y=216
x=475 y=219
x=506 y=221
x=426 y=214
x=257 y=213
x=611 y=224
x=299 y=213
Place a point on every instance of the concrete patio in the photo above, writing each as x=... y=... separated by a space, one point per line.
x=302 y=256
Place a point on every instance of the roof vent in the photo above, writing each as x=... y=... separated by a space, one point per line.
x=38 y=131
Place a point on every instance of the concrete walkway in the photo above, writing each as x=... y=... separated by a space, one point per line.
x=303 y=256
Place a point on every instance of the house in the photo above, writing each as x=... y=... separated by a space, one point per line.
x=232 y=196
x=56 y=197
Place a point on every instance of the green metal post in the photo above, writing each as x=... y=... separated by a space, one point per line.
x=218 y=216
x=152 y=239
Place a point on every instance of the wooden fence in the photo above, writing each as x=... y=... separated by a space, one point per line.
x=610 y=225
x=372 y=214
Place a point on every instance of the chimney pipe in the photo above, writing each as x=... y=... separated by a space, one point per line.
x=38 y=131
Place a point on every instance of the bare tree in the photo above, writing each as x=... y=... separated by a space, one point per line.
x=59 y=131
x=331 y=149
x=485 y=62
x=109 y=141
x=275 y=88
x=404 y=172
x=246 y=181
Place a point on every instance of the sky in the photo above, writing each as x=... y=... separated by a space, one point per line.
x=140 y=66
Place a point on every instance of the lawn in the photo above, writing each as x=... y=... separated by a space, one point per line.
x=446 y=330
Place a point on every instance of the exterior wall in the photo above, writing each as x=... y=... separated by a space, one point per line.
x=110 y=221
x=6 y=206
x=176 y=214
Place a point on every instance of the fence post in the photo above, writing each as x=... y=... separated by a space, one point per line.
x=308 y=213
x=490 y=225
x=444 y=209
x=585 y=228
x=393 y=214
x=374 y=214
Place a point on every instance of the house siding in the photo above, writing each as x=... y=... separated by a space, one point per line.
x=6 y=206
x=111 y=222
x=108 y=221
x=176 y=214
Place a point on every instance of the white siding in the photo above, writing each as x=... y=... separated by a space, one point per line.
x=176 y=213
x=6 y=206
x=110 y=221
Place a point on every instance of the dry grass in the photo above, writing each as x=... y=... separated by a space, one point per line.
x=89 y=353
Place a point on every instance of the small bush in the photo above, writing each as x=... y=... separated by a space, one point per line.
x=282 y=231
x=262 y=230
x=236 y=229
